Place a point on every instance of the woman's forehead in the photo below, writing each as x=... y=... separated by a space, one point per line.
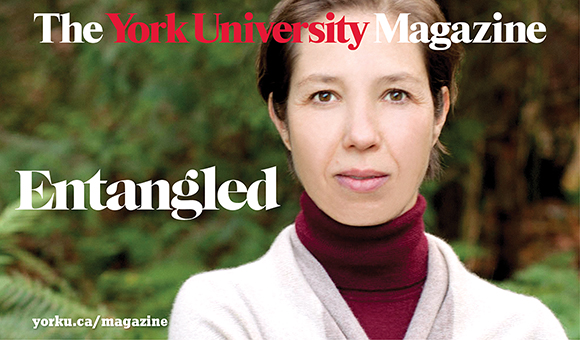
x=382 y=61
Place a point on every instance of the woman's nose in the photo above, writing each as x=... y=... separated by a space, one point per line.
x=362 y=128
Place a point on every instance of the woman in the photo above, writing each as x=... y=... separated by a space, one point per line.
x=361 y=128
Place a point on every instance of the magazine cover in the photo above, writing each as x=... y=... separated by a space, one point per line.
x=376 y=152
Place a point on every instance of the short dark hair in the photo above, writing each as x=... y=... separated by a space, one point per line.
x=275 y=60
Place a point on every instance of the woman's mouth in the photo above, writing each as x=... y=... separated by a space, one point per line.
x=362 y=180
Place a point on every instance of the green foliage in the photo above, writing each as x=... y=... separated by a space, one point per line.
x=23 y=298
x=139 y=112
x=546 y=281
x=466 y=251
x=428 y=190
x=573 y=197
x=461 y=135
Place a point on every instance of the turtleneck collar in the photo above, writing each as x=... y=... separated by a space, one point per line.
x=389 y=256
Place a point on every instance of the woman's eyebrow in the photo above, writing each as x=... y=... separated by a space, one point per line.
x=318 y=78
x=399 y=77
x=387 y=79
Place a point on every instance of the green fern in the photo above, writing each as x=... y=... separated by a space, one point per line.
x=13 y=221
x=23 y=298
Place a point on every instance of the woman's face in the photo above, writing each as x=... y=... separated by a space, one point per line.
x=360 y=125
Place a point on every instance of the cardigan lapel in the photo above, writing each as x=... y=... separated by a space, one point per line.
x=436 y=302
x=340 y=323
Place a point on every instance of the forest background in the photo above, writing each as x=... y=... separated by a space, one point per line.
x=508 y=200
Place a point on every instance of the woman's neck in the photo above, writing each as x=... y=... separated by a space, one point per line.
x=389 y=256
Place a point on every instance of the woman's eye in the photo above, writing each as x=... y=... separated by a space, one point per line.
x=324 y=97
x=396 y=96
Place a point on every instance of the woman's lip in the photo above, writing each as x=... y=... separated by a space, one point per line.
x=362 y=180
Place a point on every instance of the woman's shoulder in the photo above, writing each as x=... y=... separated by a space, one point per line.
x=266 y=298
x=205 y=297
x=480 y=307
x=228 y=283
x=225 y=284
x=213 y=304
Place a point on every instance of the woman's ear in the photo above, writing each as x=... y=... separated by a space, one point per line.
x=440 y=121
x=281 y=126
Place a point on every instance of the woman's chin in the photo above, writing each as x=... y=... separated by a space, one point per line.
x=364 y=210
x=360 y=217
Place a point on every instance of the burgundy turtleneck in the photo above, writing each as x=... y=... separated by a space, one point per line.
x=379 y=270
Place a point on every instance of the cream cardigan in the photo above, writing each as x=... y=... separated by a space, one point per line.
x=286 y=294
